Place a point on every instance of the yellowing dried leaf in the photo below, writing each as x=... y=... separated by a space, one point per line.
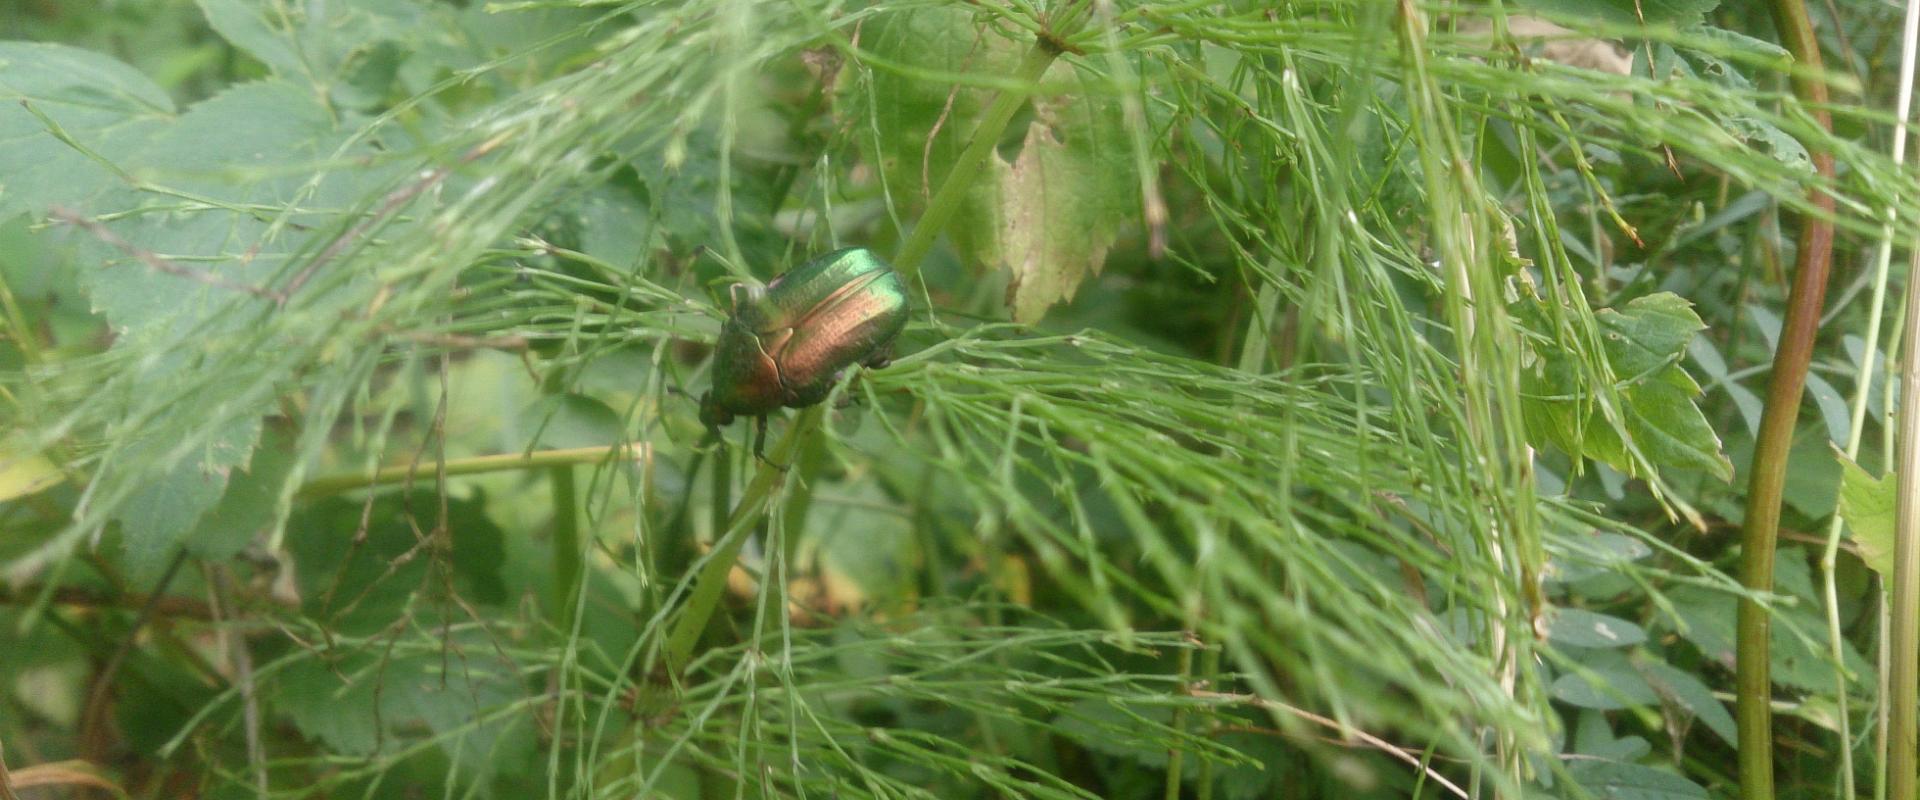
x=22 y=474
x=1060 y=204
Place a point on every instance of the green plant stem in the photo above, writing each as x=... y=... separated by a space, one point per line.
x=1771 y=448
x=726 y=547
x=569 y=562
x=1857 y=418
x=338 y=482
x=1889 y=465
x=1903 y=642
x=1174 y=755
x=959 y=181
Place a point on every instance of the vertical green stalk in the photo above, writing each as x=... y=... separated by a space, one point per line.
x=1768 y=475
x=728 y=541
x=569 y=562
x=1863 y=381
x=1890 y=464
x=1505 y=532
x=1175 y=754
x=1903 y=645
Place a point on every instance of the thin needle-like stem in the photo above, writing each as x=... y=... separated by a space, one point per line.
x=1863 y=386
x=336 y=483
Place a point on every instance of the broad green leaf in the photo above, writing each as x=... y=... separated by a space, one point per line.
x=100 y=107
x=571 y=420
x=166 y=700
x=315 y=43
x=1110 y=728
x=1669 y=428
x=232 y=148
x=1653 y=12
x=1620 y=780
x=339 y=711
x=162 y=513
x=1689 y=693
x=1644 y=343
x=1768 y=138
x=1595 y=554
x=335 y=701
x=166 y=509
x=1593 y=736
x=868 y=554
x=452 y=704
x=247 y=153
x=923 y=120
x=1647 y=333
x=1581 y=628
x=1741 y=43
x=249 y=506
x=371 y=576
x=1706 y=619
x=1605 y=680
x=1868 y=505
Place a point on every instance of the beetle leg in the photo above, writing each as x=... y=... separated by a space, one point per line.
x=760 y=443
x=880 y=358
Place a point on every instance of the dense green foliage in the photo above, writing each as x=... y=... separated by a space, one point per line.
x=1345 y=398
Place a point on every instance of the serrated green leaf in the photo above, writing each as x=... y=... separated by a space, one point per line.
x=315 y=43
x=1669 y=427
x=231 y=147
x=165 y=509
x=1061 y=201
x=1647 y=333
x=248 y=506
x=102 y=109
x=158 y=517
x=1644 y=343
x=1047 y=216
x=1869 y=505
x=922 y=124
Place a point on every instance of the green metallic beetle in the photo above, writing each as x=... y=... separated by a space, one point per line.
x=786 y=343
